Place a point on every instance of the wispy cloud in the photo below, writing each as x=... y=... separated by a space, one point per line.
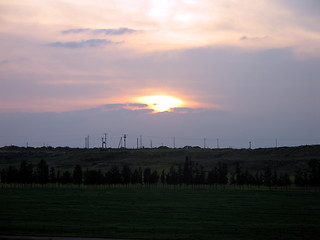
x=91 y=43
x=7 y=61
x=137 y=105
x=119 y=31
x=108 y=31
x=127 y=106
x=146 y=109
x=4 y=62
x=187 y=110
x=243 y=38
x=75 y=30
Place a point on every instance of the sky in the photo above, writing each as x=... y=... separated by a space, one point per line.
x=208 y=73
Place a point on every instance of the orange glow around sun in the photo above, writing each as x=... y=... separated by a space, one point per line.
x=161 y=103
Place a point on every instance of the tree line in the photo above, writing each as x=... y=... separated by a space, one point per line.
x=193 y=173
x=189 y=173
x=43 y=174
x=311 y=177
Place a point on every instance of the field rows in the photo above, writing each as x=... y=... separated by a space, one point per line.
x=159 y=213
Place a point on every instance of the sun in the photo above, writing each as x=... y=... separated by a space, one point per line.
x=161 y=103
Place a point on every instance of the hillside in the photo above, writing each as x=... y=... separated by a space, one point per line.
x=284 y=159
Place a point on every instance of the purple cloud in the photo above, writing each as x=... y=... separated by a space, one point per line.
x=92 y=43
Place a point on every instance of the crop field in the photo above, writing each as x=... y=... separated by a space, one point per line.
x=159 y=212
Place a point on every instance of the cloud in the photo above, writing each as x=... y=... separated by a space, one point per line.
x=124 y=106
x=252 y=38
x=119 y=31
x=113 y=106
x=137 y=105
x=7 y=61
x=146 y=109
x=92 y=43
x=305 y=8
x=4 y=62
x=75 y=30
x=185 y=110
x=108 y=31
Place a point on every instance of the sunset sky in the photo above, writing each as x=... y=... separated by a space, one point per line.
x=169 y=72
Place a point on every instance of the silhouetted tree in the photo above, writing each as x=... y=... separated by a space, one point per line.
x=239 y=174
x=10 y=175
x=42 y=172
x=93 y=177
x=163 y=177
x=199 y=175
x=172 y=176
x=188 y=171
x=126 y=174
x=213 y=176
x=146 y=175
x=65 y=178
x=232 y=179
x=77 y=174
x=136 y=177
x=284 y=180
x=25 y=172
x=309 y=176
x=113 y=176
x=52 y=175
x=196 y=176
x=180 y=175
x=222 y=173
x=267 y=177
x=247 y=178
x=274 y=179
x=314 y=172
x=58 y=176
x=299 y=178
x=258 y=178
x=154 y=177
x=3 y=175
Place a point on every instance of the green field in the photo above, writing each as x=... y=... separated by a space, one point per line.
x=159 y=213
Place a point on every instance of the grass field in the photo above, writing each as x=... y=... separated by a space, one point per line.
x=160 y=213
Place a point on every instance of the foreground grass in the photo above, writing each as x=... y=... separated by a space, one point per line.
x=163 y=213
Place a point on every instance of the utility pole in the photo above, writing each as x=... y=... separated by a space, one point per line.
x=86 y=142
x=218 y=143
x=137 y=143
x=276 y=143
x=150 y=143
x=141 y=142
x=174 y=142
x=204 y=143
x=250 y=145
x=124 y=140
x=104 y=141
